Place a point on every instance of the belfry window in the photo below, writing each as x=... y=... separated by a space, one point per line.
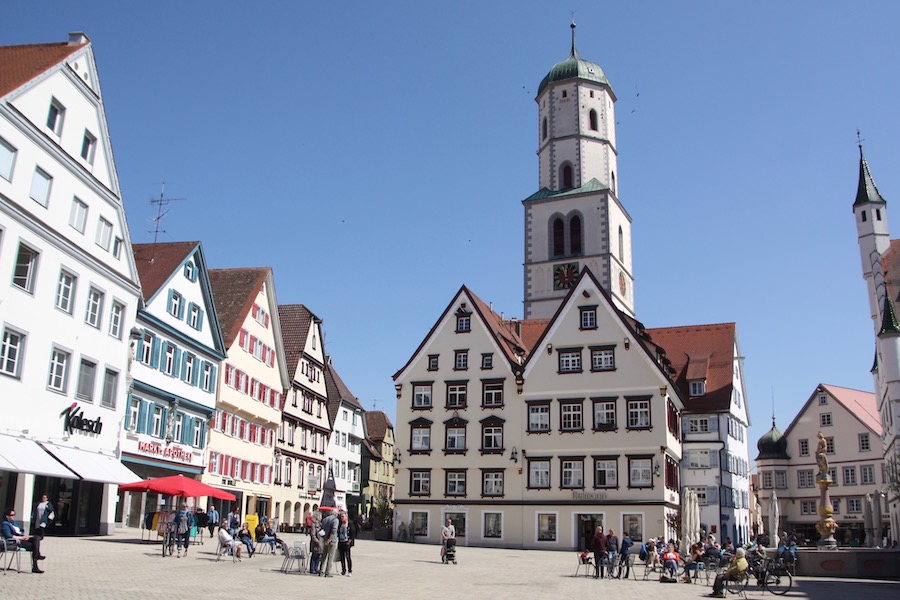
x=567 y=177
x=544 y=129
x=593 y=119
x=575 y=235
x=559 y=237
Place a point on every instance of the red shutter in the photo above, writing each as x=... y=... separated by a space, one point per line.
x=267 y=320
x=242 y=338
x=245 y=466
x=254 y=311
x=271 y=358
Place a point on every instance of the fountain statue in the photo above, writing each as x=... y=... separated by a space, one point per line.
x=826 y=525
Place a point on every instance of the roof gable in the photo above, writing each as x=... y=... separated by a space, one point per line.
x=23 y=63
x=377 y=425
x=234 y=292
x=338 y=392
x=861 y=405
x=296 y=322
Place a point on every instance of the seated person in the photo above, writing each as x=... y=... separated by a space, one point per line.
x=243 y=535
x=692 y=562
x=265 y=535
x=13 y=531
x=229 y=542
x=586 y=558
x=653 y=555
x=670 y=560
x=735 y=571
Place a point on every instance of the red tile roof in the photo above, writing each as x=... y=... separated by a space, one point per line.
x=532 y=330
x=157 y=262
x=377 y=424
x=296 y=321
x=234 y=291
x=21 y=64
x=337 y=392
x=698 y=352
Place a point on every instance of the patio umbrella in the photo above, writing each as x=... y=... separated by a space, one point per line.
x=773 y=518
x=177 y=485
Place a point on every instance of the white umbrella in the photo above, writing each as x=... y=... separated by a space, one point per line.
x=773 y=518
x=695 y=516
x=686 y=539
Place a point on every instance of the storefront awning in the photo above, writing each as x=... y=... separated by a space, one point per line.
x=26 y=456
x=92 y=466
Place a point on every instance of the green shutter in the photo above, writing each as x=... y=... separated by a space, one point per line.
x=142 y=417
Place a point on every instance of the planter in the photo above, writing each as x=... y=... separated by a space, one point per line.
x=383 y=533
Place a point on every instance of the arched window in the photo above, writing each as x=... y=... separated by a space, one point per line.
x=567 y=177
x=621 y=245
x=612 y=177
x=593 y=117
x=575 y=235
x=544 y=129
x=558 y=242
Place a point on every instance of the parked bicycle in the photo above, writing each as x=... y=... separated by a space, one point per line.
x=774 y=576
x=168 y=545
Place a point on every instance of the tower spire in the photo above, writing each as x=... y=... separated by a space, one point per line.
x=866 y=191
x=574 y=51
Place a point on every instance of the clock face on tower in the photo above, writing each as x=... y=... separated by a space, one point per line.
x=564 y=275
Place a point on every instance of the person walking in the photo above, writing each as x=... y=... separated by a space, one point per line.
x=330 y=530
x=10 y=530
x=347 y=533
x=624 y=552
x=448 y=532
x=213 y=515
x=315 y=546
x=43 y=514
x=184 y=521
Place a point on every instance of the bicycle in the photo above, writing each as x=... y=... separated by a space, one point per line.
x=774 y=576
x=168 y=545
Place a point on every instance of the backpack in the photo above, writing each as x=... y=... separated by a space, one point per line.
x=643 y=553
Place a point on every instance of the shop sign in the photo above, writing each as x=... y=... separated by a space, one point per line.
x=174 y=452
x=588 y=495
x=73 y=419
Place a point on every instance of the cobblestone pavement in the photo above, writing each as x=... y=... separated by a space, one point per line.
x=122 y=567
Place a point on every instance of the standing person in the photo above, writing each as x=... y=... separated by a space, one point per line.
x=624 y=551
x=43 y=514
x=330 y=531
x=315 y=546
x=309 y=522
x=10 y=530
x=612 y=542
x=346 y=537
x=448 y=532
x=184 y=521
x=600 y=544
x=213 y=516
x=234 y=521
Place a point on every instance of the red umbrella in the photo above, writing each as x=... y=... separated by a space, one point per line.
x=177 y=485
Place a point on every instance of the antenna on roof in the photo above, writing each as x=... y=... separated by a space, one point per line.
x=160 y=203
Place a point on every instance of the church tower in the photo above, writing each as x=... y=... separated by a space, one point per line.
x=873 y=235
x=575 y=219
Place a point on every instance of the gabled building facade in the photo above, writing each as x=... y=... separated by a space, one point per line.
x=880 y=258
x=174 y=372
x=251 y=383
x=716 y=465
x=70 y=288
x=786 y=465
x=348 y=430
x=378 y=460
x=302 y=443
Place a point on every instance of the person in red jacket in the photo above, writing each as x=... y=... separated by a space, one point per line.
x=600 y=545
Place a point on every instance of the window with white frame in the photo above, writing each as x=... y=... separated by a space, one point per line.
x=698 y=387
x=836 y=503
x=461 y=360
x=804 y=447
x=420 y=483
x=698 y=425
x=86 y=375
x=781 y=479
x=194 y=317
x=433 y=362
x=55 y=116
x=94 y=307
x=493 y=525
x=588 y=317
x=463 y=323
x=134 y=408
x=767 y=479
x=805 y=478
x=41 y=182
x=864 y=445
x=538 y=417
x=829 y=445
x=823 y=399
x=604 y=414
x=640 y=472
x=174 y=307
x=188 y=372
x=547 y=527
x=115 y=319
x=638 y=414
x=606 y=473
x=419 y=522
x=421 y=438
x=422 y=395
x=603 y=359
x=104 y=233
x=572 y=471
x=492 y=394
x=570 y=361
x=854 y=505
x=208 y=378
x=539 y=473
x=110 y=387
x=169 y=360
x=456 y=483
x=25 y=269
x=492 y=483
x=867 y=474
x=456 y=395
x=88 y=146
x=832 y=474
x=825 y=420
x=456 y=438
x=146 y=348
x=849 y=475
x=178 y=432
x=65 y=291
x=492 y=438
x=807 y=507
x=487 y=361
x=78 y=215
x=7 y=159
x=571 y=417
x=59 y=370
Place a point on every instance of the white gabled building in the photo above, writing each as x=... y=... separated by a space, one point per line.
x=300 y=453
x=70 y=288
x=709 y=371
x=174 y=371
x=348 y=430
x=251 y=383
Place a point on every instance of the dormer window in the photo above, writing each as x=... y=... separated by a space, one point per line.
x=698 y=388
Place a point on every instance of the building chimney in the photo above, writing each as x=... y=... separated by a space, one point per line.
x=77 y=38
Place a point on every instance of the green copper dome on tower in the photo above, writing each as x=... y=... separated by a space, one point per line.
x=772 y=444
x=574 y=67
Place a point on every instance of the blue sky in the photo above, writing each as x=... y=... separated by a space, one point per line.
x=376 y=155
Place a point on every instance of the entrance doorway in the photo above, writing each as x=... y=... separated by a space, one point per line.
x=587 y=525
x=459 y=523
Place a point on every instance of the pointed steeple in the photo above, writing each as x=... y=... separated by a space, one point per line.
x=574 y=53
x=889 y=325
x=866 y=192
x=874 y=368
